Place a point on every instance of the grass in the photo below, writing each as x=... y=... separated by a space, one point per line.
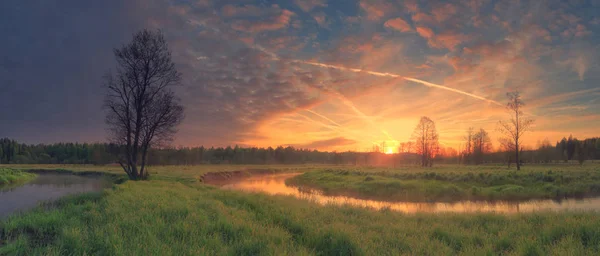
x=183 y=173
x=453 y=183
x=172 y=218
x=11 y=176
x=175 y=214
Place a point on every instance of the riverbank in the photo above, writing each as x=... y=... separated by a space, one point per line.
x=11 y=176
x=172 y=218
x=458 y=185
x=177 y=215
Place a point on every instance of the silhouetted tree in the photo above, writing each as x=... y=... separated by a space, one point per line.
x=143 y=111
x=562 y=148
x=571 y=147
x=508 y=147
x=482 y=144
x=545 y=151
x=581 y=151
x=426 y=140
x=468 y=154
x=517 y=125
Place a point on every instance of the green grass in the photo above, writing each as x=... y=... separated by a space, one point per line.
x=171 y=218
x=11 y=176
x=181 y=173
x=453 y=183
x=175 y=214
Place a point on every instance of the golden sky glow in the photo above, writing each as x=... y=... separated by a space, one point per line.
x=318 y=74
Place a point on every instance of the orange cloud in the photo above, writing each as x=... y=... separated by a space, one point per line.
x=275 y=23
x=398 y=24
x=425 y=32
x=308 y=5
x=376 y=9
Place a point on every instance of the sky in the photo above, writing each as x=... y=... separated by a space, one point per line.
x=320 y=74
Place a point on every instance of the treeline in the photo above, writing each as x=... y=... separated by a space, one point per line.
x=478 y=150
x=12 y=152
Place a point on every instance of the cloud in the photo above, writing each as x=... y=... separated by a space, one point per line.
x=328 y=143
x=272 y=23
x=241 y=85
x=423 y=18
x=309 y=5
x=425 y=32
x=398 y=24
x=376 y=10
x=245 y=10
x=443 y=12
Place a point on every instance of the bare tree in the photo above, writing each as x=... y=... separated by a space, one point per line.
x=517 y=125
x=142 y=110
x=426 y=141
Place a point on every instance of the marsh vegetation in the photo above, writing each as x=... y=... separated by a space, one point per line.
x=176 y=214
x=454 y=183
x=10 y=176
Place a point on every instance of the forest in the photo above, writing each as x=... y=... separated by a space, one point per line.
x=13 y=152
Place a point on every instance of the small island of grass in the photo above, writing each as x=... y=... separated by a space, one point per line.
x=10 y=176
x=450 y=185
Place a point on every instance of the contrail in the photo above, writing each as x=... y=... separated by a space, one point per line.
x=356 y=70
x=321 y=116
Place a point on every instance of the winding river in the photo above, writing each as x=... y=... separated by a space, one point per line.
x=46 y=187
x=275 y=185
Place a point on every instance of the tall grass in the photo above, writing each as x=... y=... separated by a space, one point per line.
x=171 y=218
x=10 y=176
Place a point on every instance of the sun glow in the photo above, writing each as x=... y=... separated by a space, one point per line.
x=389 y=150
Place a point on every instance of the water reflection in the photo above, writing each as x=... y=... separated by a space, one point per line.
x=46 y=187
x=275 y=184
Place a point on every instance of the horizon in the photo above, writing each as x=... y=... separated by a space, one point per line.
x=310 y=74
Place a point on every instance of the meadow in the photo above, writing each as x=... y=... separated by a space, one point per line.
x=175 y=214
x=452 y=183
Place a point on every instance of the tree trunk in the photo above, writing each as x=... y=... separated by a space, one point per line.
x=517 y=158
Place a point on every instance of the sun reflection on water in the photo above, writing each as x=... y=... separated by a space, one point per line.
x=275 y=185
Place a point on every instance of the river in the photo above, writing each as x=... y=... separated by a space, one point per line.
x=46 y=187
x=275 y=185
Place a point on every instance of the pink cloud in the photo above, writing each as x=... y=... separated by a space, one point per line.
x=411 y=5
x=448 y=40
x=581 y=31
x=275 y=23
x=443 y=12
x=321 y=19
x=398 y=24
x=308 y=5
x=246 y=10
x=376 y=10
x=423 y=18
x=425 y=32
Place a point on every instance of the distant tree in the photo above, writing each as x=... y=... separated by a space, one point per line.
x=545 y=151
x=508 y=147
x=562 y=149
x=571 y=147
x=426 y=141
x=581 y=151
x=597 y=148
x=142 y=109
x=468 y=154
x=517 y=124
x=482 y=144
